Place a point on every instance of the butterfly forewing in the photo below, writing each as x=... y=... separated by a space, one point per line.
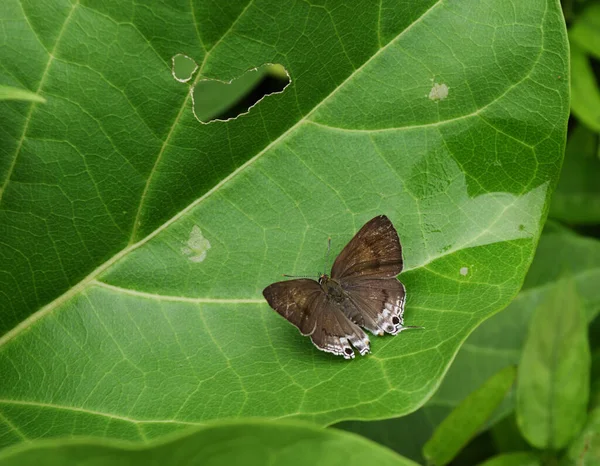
x=295 y=300
x=374 y=251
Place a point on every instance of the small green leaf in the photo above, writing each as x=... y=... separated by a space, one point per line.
x=577 y=196
x=554 y=373
x=507 y=436
x=595 y=375
x=585 y=449
x=247 y=443
x=467 y=418
x=585 y=32
x=513 y=459
x=15 y=93
x=584 y=37
x=585 y=96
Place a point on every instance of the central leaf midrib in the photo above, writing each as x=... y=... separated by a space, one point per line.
x=71 y=292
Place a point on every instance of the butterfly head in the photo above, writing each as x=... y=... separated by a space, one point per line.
x=323 y=278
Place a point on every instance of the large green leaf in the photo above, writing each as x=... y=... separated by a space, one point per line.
x=136 y=241
x=243 y=443
x=498 y=342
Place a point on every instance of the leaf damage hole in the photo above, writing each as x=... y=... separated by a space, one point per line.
x=464 y=271
x=215 y=100
x=197 y=245
x=183 y=67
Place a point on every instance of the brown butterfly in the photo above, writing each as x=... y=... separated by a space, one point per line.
x=362 y=291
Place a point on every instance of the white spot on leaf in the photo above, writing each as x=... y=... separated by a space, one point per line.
x=464 y=271
x=197 y=245
x=438 y=92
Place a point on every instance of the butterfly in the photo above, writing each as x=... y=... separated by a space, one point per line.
x=362 y=291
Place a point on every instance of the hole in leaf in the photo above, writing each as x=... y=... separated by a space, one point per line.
x=183 y=68
x=218 y=100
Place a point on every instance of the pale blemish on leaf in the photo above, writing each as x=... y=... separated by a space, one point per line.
x=197 y=245
x=464 y=271
x=438 y=92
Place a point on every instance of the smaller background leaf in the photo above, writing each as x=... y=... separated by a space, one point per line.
x=585 y=97
x=513 y=459
x=585 y=32
x=584 y=38
x=595 y=390
x=585 y=450
x=467 y=418
x=242 y=443
x=554 y=373
x=15 y=93
x=577 y=196
x=507 y=437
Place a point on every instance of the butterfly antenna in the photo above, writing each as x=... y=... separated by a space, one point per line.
x=411 y=326
x=296 y=276
x=327 y=254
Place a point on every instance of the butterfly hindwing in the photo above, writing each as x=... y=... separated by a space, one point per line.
x=335 y=333
x=374 y=251
x=303 y=303
x=376 y=304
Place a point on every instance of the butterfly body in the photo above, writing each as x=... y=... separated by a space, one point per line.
x=332 y=288
x=362 y=291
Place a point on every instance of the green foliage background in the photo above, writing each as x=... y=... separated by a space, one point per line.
x=135 y=240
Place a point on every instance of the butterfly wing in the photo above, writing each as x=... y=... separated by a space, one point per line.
x=366 y=269
x=374 y=252
x=296 y=301
x=335 y=332
x=303 y=303
x=376 y=304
